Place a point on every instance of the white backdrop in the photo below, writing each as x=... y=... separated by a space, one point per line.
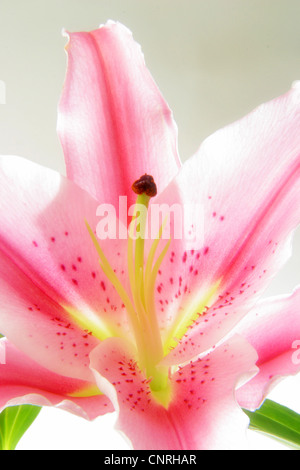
x=214 y=62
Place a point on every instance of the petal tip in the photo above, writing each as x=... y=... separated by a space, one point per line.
x=116 y=24
x=66 y=34
x=108 y=23
x=296 y=85
x=296 y=89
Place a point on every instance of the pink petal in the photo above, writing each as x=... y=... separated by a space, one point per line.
x=113 y=122
x=246 y=180
x=202 y=413
x=49 y=265
x=23 y=381
x=273 y=329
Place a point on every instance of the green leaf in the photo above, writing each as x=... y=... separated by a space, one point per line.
x=278 y=422
x=14 y=421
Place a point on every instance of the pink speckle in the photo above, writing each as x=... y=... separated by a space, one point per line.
x=102 y=284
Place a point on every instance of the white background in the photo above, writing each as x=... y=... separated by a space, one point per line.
x=213 y=60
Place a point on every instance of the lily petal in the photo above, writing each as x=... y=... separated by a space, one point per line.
x=113 y=123
x=53 y=292
x=273 y=329
x=246 y=178
x=23 y=381
x=201 y=392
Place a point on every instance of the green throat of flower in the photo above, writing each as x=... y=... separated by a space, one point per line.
x=140 y=305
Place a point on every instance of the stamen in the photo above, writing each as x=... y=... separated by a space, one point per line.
x=111 y=275
x=153 y=251
x=150 y=303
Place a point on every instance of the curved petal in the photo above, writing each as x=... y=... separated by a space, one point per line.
x=53 y=292
x=244 y=186
x=23 y=381
x=202 y=413
x=113 y=122
x=273 y=329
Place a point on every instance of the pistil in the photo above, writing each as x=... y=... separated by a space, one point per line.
x=140 y=306
x=143 y=283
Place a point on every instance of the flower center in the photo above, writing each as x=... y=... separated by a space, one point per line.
x=140 y=305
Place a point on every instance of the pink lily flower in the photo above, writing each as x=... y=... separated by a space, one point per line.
x=173 y=338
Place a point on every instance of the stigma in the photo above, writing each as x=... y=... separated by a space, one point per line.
x=145 y=185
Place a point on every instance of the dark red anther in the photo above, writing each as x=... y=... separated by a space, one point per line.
x=145 y=185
